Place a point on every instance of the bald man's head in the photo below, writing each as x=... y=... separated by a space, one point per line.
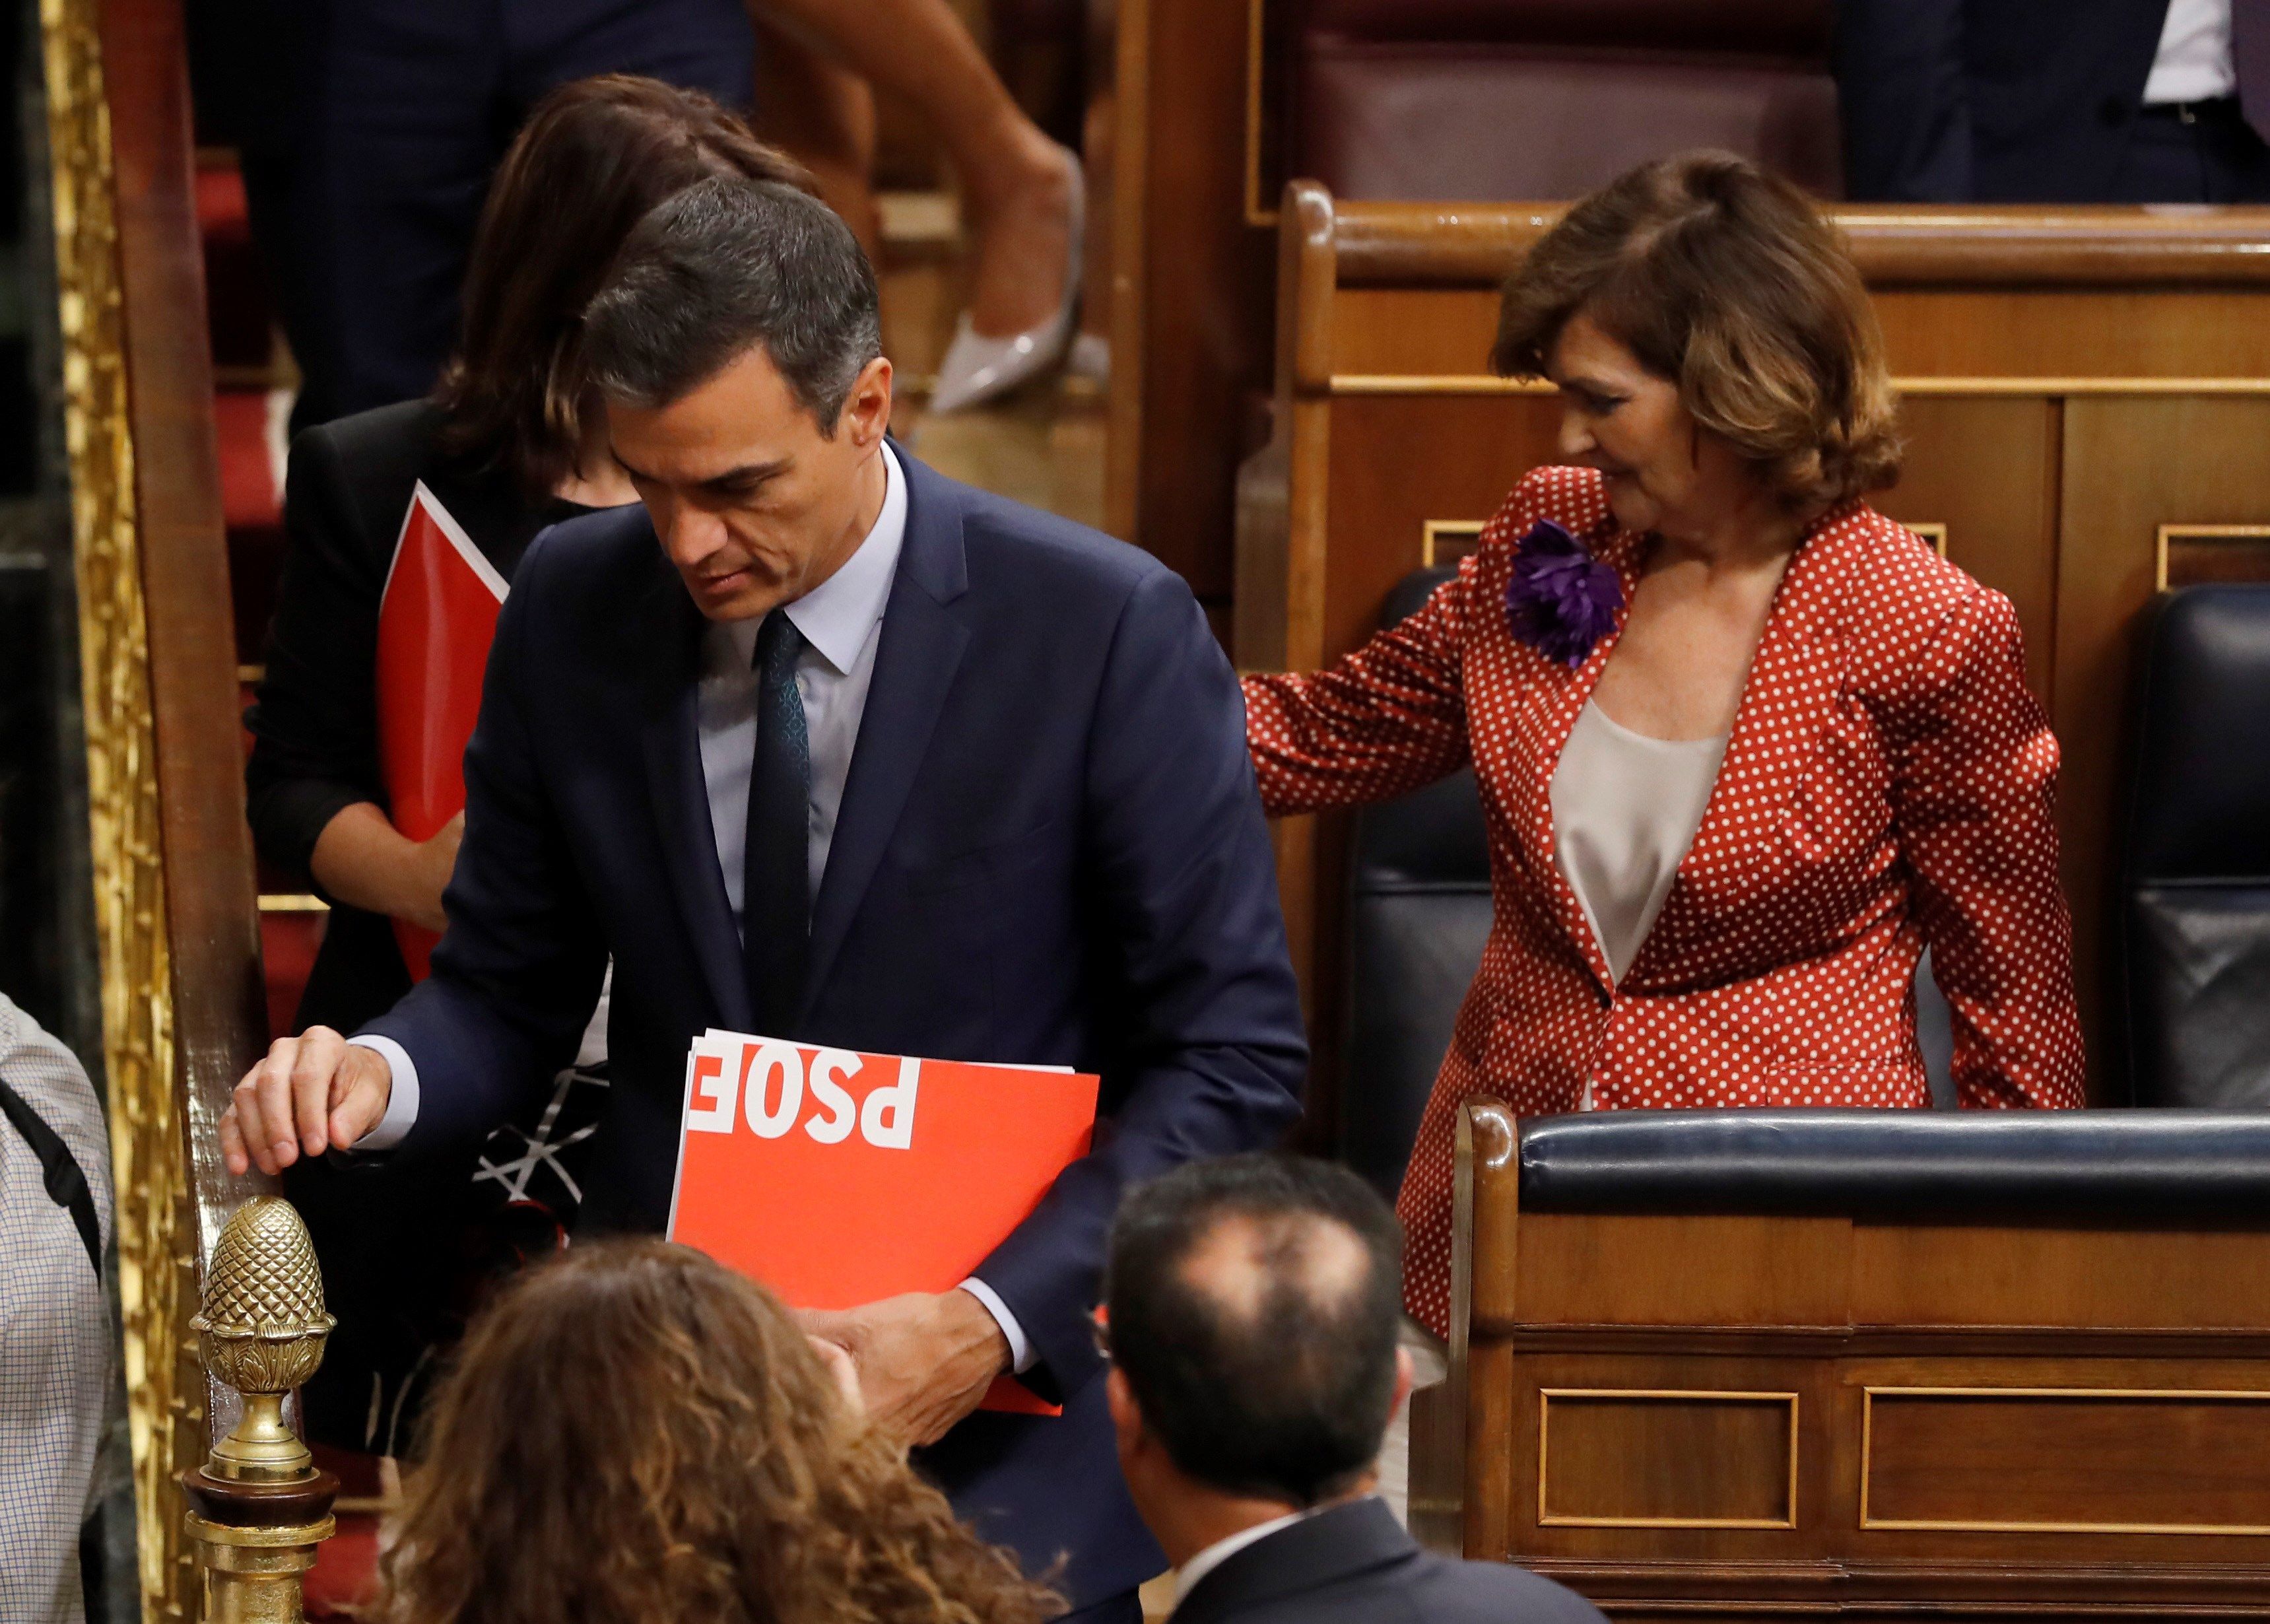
x=1253 y=1305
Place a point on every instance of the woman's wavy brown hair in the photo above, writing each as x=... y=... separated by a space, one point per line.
x=633 y=1435
x=1728 y=282
x=594 y=156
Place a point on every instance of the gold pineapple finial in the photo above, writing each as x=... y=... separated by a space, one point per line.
x=258 y=1508
x=262 y=1332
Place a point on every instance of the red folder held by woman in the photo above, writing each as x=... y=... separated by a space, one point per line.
x=436 y=618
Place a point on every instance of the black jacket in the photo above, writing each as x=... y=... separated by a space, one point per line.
x=1991 y=101
x=402 y=1251
x=315 y=724
x=1354 y=1564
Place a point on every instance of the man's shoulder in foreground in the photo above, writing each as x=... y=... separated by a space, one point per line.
x=1354 y=1562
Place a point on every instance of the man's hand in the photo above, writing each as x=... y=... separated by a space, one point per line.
x=923 y=1362
x=310 y=1094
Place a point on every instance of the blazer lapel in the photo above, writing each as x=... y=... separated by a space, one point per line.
x=1545 y=714
x=681 y=801
x=922 y=643
x=1790 y=696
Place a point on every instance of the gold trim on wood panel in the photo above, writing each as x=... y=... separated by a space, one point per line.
x=1545 y=1397
x=2198 y=533
x=1484 y=383
x=1934 y=532
x=157 y=1260
x=1436 y=531
x=1257 y=32
x=1869 y=1395
x=292 y=902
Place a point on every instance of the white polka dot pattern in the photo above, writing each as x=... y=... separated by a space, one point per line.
x=1889 y=782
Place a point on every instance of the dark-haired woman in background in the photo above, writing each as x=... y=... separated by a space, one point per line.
x=1745 y=746
x=511 y=442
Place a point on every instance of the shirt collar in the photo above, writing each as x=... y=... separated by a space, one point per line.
x=838 y=616
x=1187 y=1575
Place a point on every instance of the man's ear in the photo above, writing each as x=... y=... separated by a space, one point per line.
x=1126 y=1414
x=1402 y=1377
x=867 y=408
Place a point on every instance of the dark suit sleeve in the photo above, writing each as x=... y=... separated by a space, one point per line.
x=1904 y=98
x=1178 y=861
x=518 y=970
x=315 y=724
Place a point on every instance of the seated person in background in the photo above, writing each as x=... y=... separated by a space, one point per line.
x=635 y=1435
x=2054 y=100
x=56 y=1335
x=1745 y=747
x=1251 y=1314
x=513 y=439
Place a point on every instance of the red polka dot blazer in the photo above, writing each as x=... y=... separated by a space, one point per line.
x=1889 y=782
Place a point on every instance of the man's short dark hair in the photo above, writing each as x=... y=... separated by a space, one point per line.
x=1282 y=1393
x=724 y=266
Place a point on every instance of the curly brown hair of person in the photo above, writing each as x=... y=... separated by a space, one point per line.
x=631 y=1434
x=1730 y=282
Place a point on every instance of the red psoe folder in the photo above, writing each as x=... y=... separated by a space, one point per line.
x=839 y=1178
x=436 y=618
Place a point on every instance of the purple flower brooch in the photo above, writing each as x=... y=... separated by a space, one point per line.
x=1561 y=600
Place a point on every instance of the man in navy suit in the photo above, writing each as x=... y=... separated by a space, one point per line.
x=2055 y=100
x=1254 y=1302
x=864 y=757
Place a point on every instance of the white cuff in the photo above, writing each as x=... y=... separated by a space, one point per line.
x=1021 y=1356
x=401 y=1105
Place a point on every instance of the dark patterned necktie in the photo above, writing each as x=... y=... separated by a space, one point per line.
x=2249 y=55
x=775 y=886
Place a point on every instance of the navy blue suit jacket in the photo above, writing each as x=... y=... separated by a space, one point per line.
x=1049 y=851
x=1991 y=101
x=1354 y=1564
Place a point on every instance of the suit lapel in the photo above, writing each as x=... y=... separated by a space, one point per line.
x=681 y=799
x=921 y=646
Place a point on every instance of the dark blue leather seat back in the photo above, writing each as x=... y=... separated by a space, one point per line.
x=2126 y=1167
x=2195 y=869
x=1418 y=911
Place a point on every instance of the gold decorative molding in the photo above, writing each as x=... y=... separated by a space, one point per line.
x=292 y=902
x=1553 y=1519
x=1258 y=211
x=1446 y=541
x=1870 y=1522
x=2170 y=534
x=156 y=1242
x=1934 y=532
x=1485 y=384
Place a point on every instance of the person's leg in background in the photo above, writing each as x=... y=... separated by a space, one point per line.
x=1019 y=188
x=810 y=104
x=2203 y=152
x=397 y=139
x=705 y=45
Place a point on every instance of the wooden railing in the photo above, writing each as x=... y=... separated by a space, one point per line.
x=171 y=853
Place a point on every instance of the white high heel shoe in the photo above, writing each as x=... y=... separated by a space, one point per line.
x=977 y=369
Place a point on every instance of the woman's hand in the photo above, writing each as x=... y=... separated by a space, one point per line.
x=436 y=860
x=363 y=860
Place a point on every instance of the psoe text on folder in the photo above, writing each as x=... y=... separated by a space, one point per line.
x=839 y=1178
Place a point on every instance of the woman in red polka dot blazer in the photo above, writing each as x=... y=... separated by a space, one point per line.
x=1745 y=746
